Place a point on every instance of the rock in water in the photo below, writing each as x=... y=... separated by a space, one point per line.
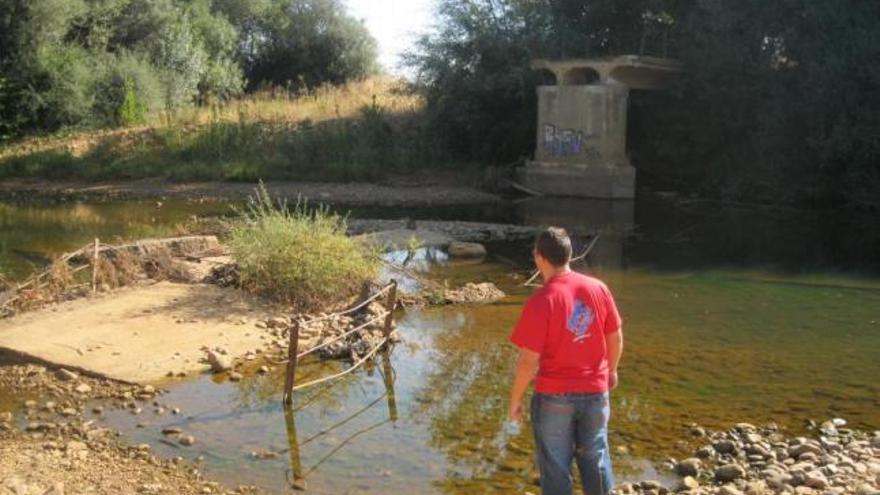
x=187 y=440
x=466 y=250
x=83 y=388
x=729 y=472
x=219 y=363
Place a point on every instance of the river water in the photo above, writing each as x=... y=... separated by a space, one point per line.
x=731 y=314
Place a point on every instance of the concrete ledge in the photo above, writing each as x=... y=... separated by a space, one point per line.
x=582 y=180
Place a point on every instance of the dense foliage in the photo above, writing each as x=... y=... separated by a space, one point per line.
x=778 y=101
x=78 y=63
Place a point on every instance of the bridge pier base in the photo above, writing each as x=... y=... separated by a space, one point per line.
x=581 y=131
x=581 y=180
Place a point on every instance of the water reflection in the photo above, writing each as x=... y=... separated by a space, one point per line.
x=652 y=233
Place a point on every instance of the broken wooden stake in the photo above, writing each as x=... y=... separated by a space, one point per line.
x=95 y=267
x=389 y=306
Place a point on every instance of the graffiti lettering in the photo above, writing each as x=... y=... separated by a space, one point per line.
x=565 y=142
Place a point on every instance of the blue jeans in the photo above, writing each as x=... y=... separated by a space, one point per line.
x=572 y=427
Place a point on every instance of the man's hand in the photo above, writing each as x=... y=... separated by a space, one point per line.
x=526 y=367
x=612 y=380
x=515 y=413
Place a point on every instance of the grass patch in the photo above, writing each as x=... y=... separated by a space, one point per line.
x=359 y=131
x=299 y=256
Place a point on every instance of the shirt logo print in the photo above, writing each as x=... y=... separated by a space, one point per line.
x=579 y=321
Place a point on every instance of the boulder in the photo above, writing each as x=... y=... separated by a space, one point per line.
x=466 y=250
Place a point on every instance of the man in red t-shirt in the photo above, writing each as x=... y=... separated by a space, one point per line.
x=570 y=341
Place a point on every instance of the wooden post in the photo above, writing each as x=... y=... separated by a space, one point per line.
x=366 y=289
x=388 y=376
x=389 y=305
x=95 y=267
x=292 y=351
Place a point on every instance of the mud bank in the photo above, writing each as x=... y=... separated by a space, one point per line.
x=349 y=194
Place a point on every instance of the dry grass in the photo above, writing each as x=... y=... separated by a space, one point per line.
x=298 y=256
x=279 y=108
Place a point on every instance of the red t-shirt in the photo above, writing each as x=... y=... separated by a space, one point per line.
x=566 y=322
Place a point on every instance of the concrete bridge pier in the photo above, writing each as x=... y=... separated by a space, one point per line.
x=582 y=113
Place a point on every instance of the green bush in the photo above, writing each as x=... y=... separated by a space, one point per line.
x=129 y=92
x=298 y=256
x=132 y=111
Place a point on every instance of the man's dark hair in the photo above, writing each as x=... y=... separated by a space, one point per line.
x=554 y=246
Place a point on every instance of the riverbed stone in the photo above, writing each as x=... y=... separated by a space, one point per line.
x=66 y=375
x=83 y=388
x=187 y=440
x=688 y=483
x=815 y=479
x=219 y=362
x=725 y=446
x=688 y=467
x=729 y=472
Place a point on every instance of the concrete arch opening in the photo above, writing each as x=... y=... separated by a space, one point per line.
x=579 y=76
x=545 y=77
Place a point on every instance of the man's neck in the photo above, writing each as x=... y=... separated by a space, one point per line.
x=555 y=271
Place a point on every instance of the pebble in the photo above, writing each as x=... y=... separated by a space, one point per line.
x=187 y=440
x=83 y=388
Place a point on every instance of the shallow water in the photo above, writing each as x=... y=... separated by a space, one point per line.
x=729 y=316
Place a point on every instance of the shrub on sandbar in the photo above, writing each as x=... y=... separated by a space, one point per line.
x=298 y=255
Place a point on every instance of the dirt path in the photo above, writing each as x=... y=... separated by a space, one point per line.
x=140 y=334
x=426 y=194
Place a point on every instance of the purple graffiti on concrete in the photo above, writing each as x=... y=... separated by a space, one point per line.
x=564 y=142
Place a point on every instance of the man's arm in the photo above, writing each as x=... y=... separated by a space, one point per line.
x=526 y=368
x=614 y=349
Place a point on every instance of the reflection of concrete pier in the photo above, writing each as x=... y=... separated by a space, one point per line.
x=582 y=109
x=614 y=219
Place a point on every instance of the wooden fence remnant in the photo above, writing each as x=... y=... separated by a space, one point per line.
x=391 y=302
x=290 y=376
x=95 y=257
